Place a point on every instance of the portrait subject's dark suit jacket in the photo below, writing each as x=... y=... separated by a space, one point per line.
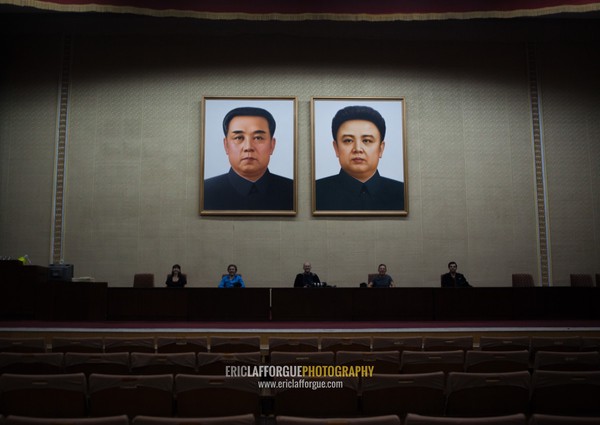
x=459 y=282
x=344 y=192
x=232 y=192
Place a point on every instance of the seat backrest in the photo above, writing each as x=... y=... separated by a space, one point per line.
x=552 y=360
x=402 y=393
x=210 y=396
x=496 y=361
x=221 y=420
x=27 y=420
x=414 y=419
x=22 y=345
x=296 y=345
x=373 y=420
x=501 y=343
x=122 y=344
x=245 y=344
x=439 y=343
x=559 y=344
x=381 y=361
x=329 y=401
x=302 y=358
x=432 y=361
x=581 y=280
x=77 y=345
x=590 y=343
x=157 y=364
x=143 y=280
x=150 y=395
x=31 y=363
x=52 y=396
x=181 y=345
x=487 y=394
x=539 y=419
x=522 y=280
x=345 y=344
x=382 y=343
x=217 y=363
x=104 y=363
x=565 y=393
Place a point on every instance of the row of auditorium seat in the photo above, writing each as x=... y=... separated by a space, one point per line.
x=216 y=363
x=411 y=419
x=434 y=394
x=224 y=344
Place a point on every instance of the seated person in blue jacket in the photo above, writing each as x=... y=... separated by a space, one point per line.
x=452 y=279
x=382 y=279
x=359 y=141
x=232 y=279
x=176 y=279
x=307 y=279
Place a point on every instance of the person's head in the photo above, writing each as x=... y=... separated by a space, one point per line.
x=232 y=269
x=358 y=140
x=176 y=269
x=452 y=266
x=249 y=141
x=382 y=269
x=306 y=267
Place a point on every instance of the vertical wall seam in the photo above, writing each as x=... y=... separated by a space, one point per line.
x=60 y=158
x=540 y=168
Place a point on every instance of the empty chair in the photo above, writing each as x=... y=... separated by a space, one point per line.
x=217 y=363
x=296 y=345
x=434 y=343
x=414 y=419
x=317 y=397
x=77 y=345
x=181 y=345
x=209 y=396
x=157 y=364
x=381 y=361
x=487 y=394
x=104 y=363
x=220 y=420
x=27 y=420
x=581 y=280
x=143 y=280
x=522 y=280
x=53 y=396
x=137 y=344
x=31 y=363
x=565 y=393
x=538 y=419
x=399 y=394
x=560 y=344
x=373 y=420
x=552 y=360
x=381 y=343
x=345 y=344
x=432 y=361
x=501 y=343
x=496 y=361
x=246 y=344
x=22 y=345
x=150 y=395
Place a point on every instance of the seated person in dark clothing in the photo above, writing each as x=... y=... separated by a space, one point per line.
x=176 y=279
x=232 y=279
x=307 y=279
x=452 y=279
x=382 y=279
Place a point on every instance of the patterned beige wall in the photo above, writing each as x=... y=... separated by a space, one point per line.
x=133 y=161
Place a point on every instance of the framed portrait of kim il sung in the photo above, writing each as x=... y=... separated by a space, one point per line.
x=359 y=156
x=248 y=156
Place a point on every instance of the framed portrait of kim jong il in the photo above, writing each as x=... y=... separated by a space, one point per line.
x=359 y=156
x=248 y=156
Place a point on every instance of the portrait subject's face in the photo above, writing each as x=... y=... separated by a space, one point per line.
x=359 y=147
x=382 y=270
x=249 y=146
